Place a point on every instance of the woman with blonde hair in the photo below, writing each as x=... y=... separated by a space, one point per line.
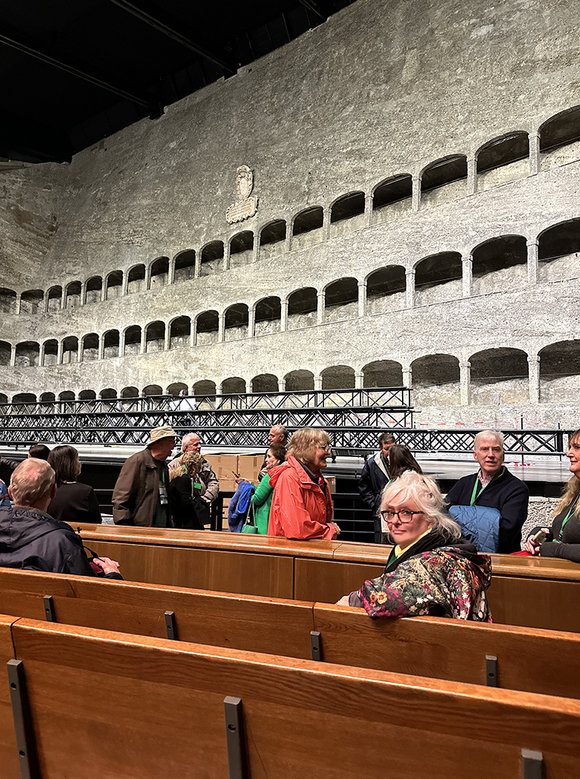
x=563 y=538
x=431 y=569
x=188 y=509
x=301 y=502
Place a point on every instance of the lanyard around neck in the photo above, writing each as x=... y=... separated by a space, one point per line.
x=571 y=511
x=476 y=493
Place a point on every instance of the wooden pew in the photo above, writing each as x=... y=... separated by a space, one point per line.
x=525 y=591
x=425 y=646
x=8 y=752
x=113 y=705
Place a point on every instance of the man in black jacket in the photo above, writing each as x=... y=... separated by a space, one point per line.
x=495 y=487
x=32 y=539
x=373 y=479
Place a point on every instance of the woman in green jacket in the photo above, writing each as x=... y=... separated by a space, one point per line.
x=262 y=497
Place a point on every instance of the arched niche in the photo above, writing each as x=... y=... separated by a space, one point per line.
x=114 y=284
x=341 y=300
x=392 y=197
x=207 y=328
x=438 y=278
x=73 y=294
x=31 y=301
x=90 y=347
x=499 y=377
x=133 y=340
x=444 y=180
x=560 y=372
x=382 y=373
x=307 y=227
x=560 y=138
x=155 y=336
x=338 y=377
x=386 y=289
x=159 y=274
x=265 y=382
x=302 y=308
x=111 y=342
x=180 y=333
x=559 y=251
x=241 y=249
x=502 y=160
x=212 y=258
x=267 y=316
x=93 y=289
x=27 y=354
x=299 y=381
x=184 y=268
x=136 y=279
x=499 y=264
x=236 y=322
x=436 y=381
x=234 y=385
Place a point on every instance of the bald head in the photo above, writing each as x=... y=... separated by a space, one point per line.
x=32 y=484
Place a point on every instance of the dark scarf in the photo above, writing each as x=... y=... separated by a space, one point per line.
x=317 y=478
x=433 y=540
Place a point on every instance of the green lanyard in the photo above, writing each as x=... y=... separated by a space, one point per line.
x=567 y=517
x=476 y=493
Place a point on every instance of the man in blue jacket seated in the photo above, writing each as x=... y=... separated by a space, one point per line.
x=495 y=487
x=32 y=539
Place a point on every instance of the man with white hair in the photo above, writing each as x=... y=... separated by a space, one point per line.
x=31 y=539
x=208 y=484
x=495 y=487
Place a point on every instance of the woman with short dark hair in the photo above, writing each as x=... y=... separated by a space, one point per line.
x=74 y=501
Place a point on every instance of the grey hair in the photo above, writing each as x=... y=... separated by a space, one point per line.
x=186 y=440
x=31 y=482
x=280 y=429
x=426 y=494
x=488 y=434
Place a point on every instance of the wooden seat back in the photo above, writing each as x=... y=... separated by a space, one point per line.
x=8 y=751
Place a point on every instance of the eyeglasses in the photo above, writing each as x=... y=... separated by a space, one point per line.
x=404 y=516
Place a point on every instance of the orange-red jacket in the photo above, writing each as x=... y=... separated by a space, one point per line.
x=299 y=507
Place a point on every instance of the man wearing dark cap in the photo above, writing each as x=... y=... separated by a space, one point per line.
x=140 y=494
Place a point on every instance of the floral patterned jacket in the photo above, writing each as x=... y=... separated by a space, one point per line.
x=441 y=582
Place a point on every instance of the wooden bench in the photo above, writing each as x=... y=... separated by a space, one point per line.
x=525 y=591
x=108 y=704
x=425 y=646
x=8 y=750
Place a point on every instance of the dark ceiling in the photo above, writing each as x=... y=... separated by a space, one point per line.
x=77 y=71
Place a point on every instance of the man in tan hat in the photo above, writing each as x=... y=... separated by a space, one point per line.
x=140 y=494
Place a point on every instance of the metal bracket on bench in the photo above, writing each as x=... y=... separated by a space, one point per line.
x=315 y=645
x=49 y=609
x=234 y=736
x=532 y=764
x=22 y=721
x=491 y=670
x=170 y=625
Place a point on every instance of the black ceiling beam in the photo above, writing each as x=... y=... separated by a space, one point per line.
x=169 y=32
x=47 y=59
x=311 y=5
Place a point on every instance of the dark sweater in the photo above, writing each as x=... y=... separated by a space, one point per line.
x=75 y=502
x=569 y=547
x=508 y=495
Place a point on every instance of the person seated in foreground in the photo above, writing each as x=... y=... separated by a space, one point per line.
x=32 y=539
x=431 y=570
x=493 y=486
x=563 y=538
x=301 y=503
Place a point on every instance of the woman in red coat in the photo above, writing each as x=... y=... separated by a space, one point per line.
x=301 y=503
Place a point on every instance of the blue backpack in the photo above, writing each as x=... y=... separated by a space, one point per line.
x=239 y=505
x=479 y=525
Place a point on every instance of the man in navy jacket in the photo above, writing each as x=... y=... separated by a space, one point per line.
x=373 y=479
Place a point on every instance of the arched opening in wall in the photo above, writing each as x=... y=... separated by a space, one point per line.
x=31 y=301
x=559 y=372
x=382 y=373
x=3 y=398
x=499 y=377
x=338 y=377
x=272 y=238
x=129 y=392
x=159 y=272
x=444 y=180
x=241 y=249
x=234 y=385
x=204 y=392
x=114 y=285
x=47 y=397
x=5 y=353
x=50 y=352
x=87 y=395
x=386 y=289
x=212 y=258
x=54 y=298
x=27 y=354
x=236 y=322
x=152 y=390
x=392 y=197
x=302 y=308
x=177 y=388
x=24 y=397
x=299 y=381
x=70 y=349
x=93 y=290
x=184 y=268
x=347 y=214
x=7 y=301
x=559 y=251
x=132 y=340
x=341 y=300
x=438 y=278
x=111 y=343
x=180 y=333
x=108 y=394
x=90 y=347
x=503 y=159
x=207 y=328
x=136 y=279
x=265 y=382
x=72 y=297
x=267 y=316
x=155 y=336
x=499 y=264
x=307 y=227
x=560 y=139
x=436 y=381
x=67 y=397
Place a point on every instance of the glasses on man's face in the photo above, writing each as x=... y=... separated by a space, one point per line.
x=404 y=516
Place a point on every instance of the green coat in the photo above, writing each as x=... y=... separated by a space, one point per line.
x=262 y=500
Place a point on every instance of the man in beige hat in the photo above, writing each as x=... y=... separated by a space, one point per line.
x=140 y=494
